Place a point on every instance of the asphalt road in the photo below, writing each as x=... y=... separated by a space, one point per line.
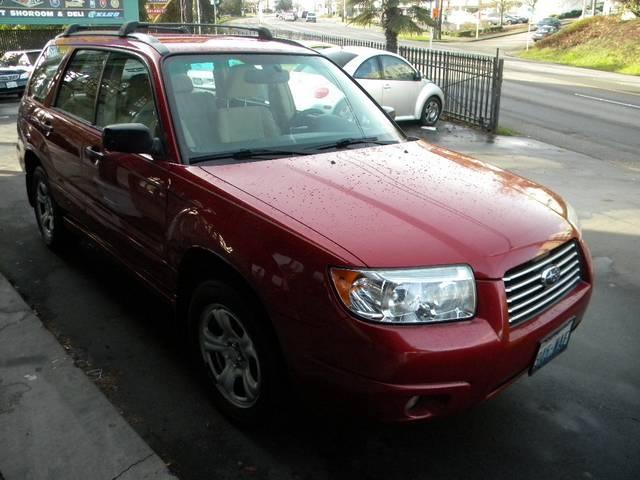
x=591 y=112
x=577 y=418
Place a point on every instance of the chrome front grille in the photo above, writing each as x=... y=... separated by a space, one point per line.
x=536 y=285
x=9 y=78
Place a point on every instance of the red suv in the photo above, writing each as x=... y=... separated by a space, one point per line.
x=296 y=230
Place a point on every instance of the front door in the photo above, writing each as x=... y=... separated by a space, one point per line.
x=369 y=75
x=401 y=85
x=129 y=191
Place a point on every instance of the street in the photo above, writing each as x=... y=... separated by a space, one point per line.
x=591 y=112
x=579 y=417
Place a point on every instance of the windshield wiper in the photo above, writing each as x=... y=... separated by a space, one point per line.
x=246 y=153
x=346 y=142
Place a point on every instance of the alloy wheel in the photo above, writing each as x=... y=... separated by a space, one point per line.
x=230 y=354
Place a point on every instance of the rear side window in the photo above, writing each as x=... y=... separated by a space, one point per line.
x=79 y=87
x=44 y=71
x=340 y=57
x=369 y=70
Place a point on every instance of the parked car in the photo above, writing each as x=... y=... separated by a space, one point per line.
x=549 y=21
x=289 y=16
x=543 y=32
x=311 y=17
x=512 y=19
x=391 y=81
x=375 y=272
x=15 y=68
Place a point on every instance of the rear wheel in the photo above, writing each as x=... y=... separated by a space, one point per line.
x=234 y=348
x=48 y=214
x=431 y=111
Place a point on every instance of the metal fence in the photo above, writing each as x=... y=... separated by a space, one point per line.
x=471 y=83
x=26 y=39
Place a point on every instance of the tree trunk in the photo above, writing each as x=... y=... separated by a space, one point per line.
x=391 y=36
x=391 y=41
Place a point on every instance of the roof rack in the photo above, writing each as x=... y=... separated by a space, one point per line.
x=132 y=27
x=76 y=27
x=132 y=30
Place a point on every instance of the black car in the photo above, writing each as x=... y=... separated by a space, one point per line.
x=549 y=21
x=15 y=68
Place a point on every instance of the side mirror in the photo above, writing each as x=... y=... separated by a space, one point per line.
x=128 y=138
x=417 y=76
x=390 y=111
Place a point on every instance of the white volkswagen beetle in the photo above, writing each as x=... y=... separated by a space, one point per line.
x=392 y=82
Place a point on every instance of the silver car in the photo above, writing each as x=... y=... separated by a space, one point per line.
x=392 y=82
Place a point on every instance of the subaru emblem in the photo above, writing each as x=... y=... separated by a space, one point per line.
x=550 y=275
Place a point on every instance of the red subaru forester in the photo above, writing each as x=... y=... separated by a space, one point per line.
x=296 y=230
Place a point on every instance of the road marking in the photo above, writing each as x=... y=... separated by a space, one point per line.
x=608 y=101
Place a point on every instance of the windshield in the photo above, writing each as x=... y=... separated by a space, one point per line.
x=250 y=105
x=10 y=59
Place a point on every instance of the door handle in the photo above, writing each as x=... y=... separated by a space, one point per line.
x=45 y=125
x=386 y=86
x=93 y=155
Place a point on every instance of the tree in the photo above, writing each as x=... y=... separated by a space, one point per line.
x=633 y=6
x=503 y=6
x=284 y=5
x=392 y=19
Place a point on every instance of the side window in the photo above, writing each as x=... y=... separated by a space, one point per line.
x=369 y=70
x=395 y=69
x=44 y=71
x=79 y=87
x=125 y=93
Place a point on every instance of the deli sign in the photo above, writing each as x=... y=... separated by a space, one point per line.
x=44 y=12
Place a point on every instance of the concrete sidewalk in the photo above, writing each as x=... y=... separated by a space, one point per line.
x=54 y=422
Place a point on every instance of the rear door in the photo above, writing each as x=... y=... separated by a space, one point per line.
x=69 y=126
x=369 y=75
x=401 y=85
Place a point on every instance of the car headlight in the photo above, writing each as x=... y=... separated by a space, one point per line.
x=424 y=295
x=24 y=76
x=572 y=217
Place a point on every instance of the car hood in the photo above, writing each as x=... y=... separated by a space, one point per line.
x=410 y=204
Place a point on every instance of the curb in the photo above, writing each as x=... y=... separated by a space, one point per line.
x=56 y=423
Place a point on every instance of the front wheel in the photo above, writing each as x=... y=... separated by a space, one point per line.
x=234 y=348
x=431 y=111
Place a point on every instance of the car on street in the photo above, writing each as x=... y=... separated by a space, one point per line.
x=307 y=252
x=543 y=32
x=311 y=17
x=15 y=68
x=392 y=82
x=289 y=16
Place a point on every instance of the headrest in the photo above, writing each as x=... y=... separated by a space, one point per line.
x=181 y=83
x=240 y=88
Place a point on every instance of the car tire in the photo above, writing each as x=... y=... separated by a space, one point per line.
x=48 y=214
x=431 y=111
x=233 y=347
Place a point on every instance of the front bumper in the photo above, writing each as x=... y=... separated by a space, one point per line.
x=19 y=87
x=401 y=374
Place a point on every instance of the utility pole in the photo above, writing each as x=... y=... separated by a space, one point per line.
x=593 y=8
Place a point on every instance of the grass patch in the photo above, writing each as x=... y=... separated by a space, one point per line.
x=420 y=37
x=507 y=132
x=603 y=43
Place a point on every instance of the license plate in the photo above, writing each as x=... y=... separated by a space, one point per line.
x=552 y=346
x=12 y=84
